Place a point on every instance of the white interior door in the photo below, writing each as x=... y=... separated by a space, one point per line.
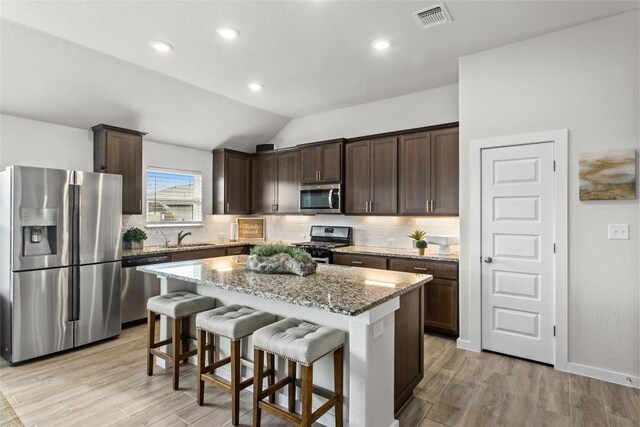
x=518 y=288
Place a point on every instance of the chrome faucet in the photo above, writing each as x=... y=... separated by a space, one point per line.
x=182 y=235
x=166 y=241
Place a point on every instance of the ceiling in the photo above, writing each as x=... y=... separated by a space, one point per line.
x=311 y=56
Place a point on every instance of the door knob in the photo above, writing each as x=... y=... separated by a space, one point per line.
x=488 y=260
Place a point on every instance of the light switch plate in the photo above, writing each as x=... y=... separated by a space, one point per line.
x=618 y=231
x=378 y=329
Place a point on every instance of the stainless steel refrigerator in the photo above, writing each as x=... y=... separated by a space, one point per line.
x=60 y=250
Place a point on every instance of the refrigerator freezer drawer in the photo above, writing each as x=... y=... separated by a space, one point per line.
x=40 y=312
x=99 y=302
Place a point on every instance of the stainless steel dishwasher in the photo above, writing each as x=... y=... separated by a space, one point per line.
x=138 y=287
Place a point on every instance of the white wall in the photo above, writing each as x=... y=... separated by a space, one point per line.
x=28 y=142
x=585 y=79
x=425 y=108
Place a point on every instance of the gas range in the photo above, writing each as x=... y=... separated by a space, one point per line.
x=324 y=239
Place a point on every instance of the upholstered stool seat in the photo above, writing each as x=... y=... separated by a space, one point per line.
x=233 y=322
x=177 y=306
x=297 y=340
x=300 y=342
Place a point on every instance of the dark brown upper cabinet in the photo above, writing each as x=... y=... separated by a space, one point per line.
x=371 y=185
x=429 y=173
x=275 y=183
x=321 y=163
x=119 y=151
x=231 y=182
x=263 y=184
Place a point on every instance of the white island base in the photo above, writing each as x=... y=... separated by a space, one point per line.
x=368 y=362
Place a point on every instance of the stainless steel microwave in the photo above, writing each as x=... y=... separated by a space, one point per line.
x=319 y=199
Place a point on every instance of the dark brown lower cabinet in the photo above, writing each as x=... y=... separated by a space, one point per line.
x=409 y=347
x=441 y=307
x=198 y=254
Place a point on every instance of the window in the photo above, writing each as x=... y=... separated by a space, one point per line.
x=173 y=197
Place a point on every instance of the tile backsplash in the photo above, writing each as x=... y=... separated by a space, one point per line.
x=367 y=230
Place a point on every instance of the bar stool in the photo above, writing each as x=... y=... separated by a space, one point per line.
x=234 y=322
x=177 y=306
x=304 y=343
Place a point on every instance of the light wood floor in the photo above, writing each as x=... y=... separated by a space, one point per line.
x=106 y=385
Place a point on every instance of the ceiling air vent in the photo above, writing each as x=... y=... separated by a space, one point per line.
x=433 y=15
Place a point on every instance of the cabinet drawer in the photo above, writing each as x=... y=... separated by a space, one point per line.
x=436 y=269
x=198 y=254
x=360 y=261
x=237 y=250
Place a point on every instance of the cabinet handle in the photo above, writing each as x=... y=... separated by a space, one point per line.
x=356 y=262
x=370 y=207
x=366 y=207
x=420 y=268
x=431 y=205
x=428 y=204
x=227 y=207
x=319 y=175
x=140 y=204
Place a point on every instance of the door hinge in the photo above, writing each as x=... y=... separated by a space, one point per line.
x=554 y=165
x=554 y=331
x=554 y=248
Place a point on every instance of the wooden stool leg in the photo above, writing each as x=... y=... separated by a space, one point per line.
x=151 y=329
x=202 y=349
x=235 y=382
x=211 y=347
x=307 y=394
x=338 y=384
x=258 y=371
x=291 y=373
x=175 y=343
x=271 y=379
x=185 y=336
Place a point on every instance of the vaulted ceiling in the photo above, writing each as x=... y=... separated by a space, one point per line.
x=82 y=62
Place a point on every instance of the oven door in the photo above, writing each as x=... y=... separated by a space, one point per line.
x=320 y=199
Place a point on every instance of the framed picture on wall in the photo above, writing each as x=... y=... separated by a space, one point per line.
x=608 y=175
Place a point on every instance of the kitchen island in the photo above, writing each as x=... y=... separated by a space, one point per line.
x=365 y=303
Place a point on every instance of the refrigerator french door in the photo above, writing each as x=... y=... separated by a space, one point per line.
x=60 y=260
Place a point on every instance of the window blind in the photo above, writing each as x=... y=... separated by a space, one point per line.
x=173 y=196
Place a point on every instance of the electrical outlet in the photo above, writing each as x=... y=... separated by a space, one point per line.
x=618 y=231
x=378 y=329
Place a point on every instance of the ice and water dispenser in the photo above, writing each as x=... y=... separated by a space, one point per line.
x=39 y=231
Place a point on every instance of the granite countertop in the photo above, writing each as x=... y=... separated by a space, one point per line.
x=334 y=288
x=156 y=250
x=429 y=255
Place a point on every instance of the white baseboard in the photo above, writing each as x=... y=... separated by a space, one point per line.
x=604 y=375
x=395 y=423
x=467 y=345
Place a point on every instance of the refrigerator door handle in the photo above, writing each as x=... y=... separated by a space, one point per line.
x=74 y=294
x=75 y=225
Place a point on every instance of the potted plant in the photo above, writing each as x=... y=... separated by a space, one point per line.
x=274 y=258
x=134 y=238
x=418 y=240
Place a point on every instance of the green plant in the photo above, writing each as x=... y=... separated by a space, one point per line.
x=418 y=235
x=420 y=244
x=270 y=249
x=134 y=234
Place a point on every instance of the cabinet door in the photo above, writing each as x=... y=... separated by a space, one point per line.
x=441 y=307
x=409 y=346
x=263 y=182
x=444 y=171
x=237 y=188
x=310 y=164
x=358 y=171
x=383 y=193
x=415 y=173
x=330 y=163
x=288 y=183
x=124 y=157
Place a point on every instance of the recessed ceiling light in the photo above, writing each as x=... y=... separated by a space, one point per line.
x=381 y=44
x=228 y=33
x=255 y=86
x=161 y=46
